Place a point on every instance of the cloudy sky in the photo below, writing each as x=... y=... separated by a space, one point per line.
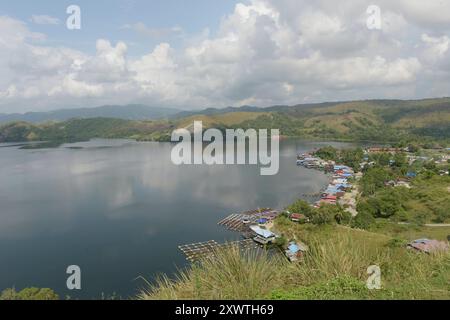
x=216 y=53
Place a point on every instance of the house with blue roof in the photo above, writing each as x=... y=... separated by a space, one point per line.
x=295 y=251
x=411 y=174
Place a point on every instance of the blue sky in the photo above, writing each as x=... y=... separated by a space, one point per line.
x=105 y=19
x=204 y=53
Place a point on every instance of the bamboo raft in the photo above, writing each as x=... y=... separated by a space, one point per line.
x=235 y=222
x=197 y=251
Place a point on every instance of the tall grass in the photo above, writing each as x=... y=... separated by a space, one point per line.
x=334 y=268
x=335 y=257
x=229 y=274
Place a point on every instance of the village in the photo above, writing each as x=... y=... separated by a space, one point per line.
x=340 y=189
x=257 y=227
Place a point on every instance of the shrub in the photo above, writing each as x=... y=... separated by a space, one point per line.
x=364 y=220
x=29 y=294
x=303 y=207
x=325 y=215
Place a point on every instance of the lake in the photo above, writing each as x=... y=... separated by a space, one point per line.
x=119 y=209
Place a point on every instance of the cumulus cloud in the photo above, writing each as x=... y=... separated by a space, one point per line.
x=264 y=52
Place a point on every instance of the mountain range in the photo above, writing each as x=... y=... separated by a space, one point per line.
x=368 y=120
x=127 y=112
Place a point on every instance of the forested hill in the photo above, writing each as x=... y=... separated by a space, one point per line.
x=127 y=112
x=375 y=120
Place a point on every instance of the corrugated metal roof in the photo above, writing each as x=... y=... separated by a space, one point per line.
x=293 y=248
x=262 y=232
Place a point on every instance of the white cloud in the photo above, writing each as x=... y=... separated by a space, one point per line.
x=429 y=14
x=14 y=33
x=75 y=88
x=45 y=20
x=264 y=52
x=10 y=92
x=438 y=46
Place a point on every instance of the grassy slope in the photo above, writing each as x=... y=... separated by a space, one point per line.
x=396 y=116
x=226 y=119
x=335 y=268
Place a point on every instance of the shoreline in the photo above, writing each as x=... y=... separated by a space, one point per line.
x=340 y=190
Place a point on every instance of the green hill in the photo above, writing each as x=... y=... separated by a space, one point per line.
x=382 y=120
x=374 y=120
x=83 y=129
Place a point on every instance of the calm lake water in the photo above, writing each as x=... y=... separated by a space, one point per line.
x=119 y=210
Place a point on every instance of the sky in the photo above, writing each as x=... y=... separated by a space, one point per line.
x=216 y=53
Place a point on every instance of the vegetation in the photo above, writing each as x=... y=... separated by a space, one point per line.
x=327 y=214
x=334 y=268
x=29 y=294
x=400 y=122
x=387 y=121
x=85 y=129
x=422 y=197
x=348 y=157
x=230 y=274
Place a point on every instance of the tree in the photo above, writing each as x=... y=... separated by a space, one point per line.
x=303 y=207
x=352 y=157
x=327 y=153
x=364 y=219
x=400 y=160
x=374 y=179
x=385 y=204
x=326 y=214
x=343 y=217
x=281 y=242
x=413 y=148
x=441 y=215
x=384 y=159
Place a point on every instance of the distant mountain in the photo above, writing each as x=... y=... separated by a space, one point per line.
x=127 y=112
